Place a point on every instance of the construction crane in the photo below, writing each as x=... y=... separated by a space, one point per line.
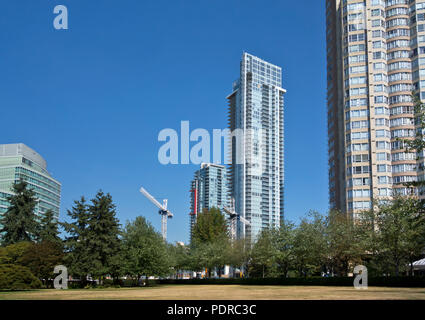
x=233 y=219
x=163 y=211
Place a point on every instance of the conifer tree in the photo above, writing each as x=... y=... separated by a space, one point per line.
x=49 y=228
x=19 y=223
x=77 y=257
x=103 y=240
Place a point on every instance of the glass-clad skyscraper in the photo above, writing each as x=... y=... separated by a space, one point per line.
x=256 y=120
x=375 y=59
x=17 y=161
x=208 y=189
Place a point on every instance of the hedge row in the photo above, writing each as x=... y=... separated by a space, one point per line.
x=418 y=282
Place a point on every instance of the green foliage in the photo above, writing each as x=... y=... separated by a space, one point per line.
x=210 y=226
x=41 y=258
x=16 y=277
x=77 y=256
x=210 y=255
x=49 y=228
x=179 y=257
x=273 y=253
x=239 y=253
x=93 y=245
x=19 y=222
x=310 y=245
x=417 y=144
x=210 y=247
x=344 y=243
x=103 y=241
x=145 y=252
x=394 y=234
x=13 y=253
x=263 y=255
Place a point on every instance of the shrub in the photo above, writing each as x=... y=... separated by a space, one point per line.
x=309 y=281
x=15 y=277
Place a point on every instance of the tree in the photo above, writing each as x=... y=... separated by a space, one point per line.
x=210 y=241
x=179 y=257
x=49 y=228
x=103 y=232
x=310 y=245
x=210 y=226
x=240 y=253
x=41 y=258
x=145 y=251
x=19 y=222
x=284 y=242
x=417 y=144
x=14 y=252
x=263 y=255
x=77 y=257
x=344 y=244
x=395 y=233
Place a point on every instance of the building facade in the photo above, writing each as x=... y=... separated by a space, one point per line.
x=208 y=190
x=256 y=120
x=375 y=59
x=17 y=161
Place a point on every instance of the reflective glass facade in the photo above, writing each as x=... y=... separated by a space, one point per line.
x=256 y=107
x=17 y=161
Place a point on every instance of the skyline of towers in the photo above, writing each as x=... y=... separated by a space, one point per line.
x=374 y=62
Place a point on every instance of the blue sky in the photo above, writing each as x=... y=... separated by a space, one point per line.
x=92 y=99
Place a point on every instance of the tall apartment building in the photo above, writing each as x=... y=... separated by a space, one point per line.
x=17 y=161
x=256 y=175
x=208 y=190
x=375 y=59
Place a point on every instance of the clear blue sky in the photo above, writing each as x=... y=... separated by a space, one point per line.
x=92 y=99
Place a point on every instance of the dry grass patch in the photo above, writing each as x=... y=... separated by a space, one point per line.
x=222 y=292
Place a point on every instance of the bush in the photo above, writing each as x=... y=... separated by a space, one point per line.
x=418 y=282
x=15 y=277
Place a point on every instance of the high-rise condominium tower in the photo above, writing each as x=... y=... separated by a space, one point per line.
x=19 y=162
x=257 y=171
x=375 y=59
x=208 y=190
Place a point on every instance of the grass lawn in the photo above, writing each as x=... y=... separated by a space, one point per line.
x=221 y=292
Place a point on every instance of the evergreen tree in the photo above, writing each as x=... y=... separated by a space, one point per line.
x=77 y=257
x=103 y=241
x=49 y=228
x=19 y=223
